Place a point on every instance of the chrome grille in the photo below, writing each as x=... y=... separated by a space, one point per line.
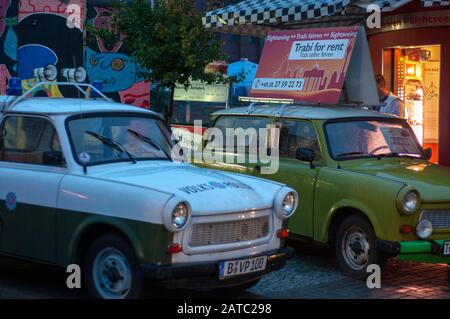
x=229 y=232
x=440 y=219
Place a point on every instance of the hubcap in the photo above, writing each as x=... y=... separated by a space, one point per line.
x=356 y=248
x=112 y=274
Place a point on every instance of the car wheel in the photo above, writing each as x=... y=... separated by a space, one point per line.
x=112 y=270
x=356 y=247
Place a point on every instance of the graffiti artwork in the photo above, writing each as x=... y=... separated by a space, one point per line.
x=109 y=63
x=36 y=33
x=44 y=37
x=117 y=71
x=8 y=41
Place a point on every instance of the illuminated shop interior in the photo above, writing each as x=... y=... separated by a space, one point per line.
x=413 y=74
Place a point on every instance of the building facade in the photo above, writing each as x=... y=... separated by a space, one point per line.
x=412 y=50
x=236 y=47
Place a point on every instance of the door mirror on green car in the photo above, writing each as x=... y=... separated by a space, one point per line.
x=305 y=154
x=428 y=153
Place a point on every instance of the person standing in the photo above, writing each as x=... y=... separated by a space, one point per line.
x=390 y=103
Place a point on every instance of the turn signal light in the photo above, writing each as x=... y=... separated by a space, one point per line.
x=283 y=233
x=175 y=249
x=406 y=229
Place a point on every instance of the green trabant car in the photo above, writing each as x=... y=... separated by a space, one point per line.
x=366 y=186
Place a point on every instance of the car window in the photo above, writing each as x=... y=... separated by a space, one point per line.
x=30 y=140
x=228 y=126
x=295 y=134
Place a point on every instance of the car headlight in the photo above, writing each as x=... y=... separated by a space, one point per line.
x=180 y=216
x=411 y=202
x=286 y=203
x=424 y=229
x=176 y=214
x=408 y=201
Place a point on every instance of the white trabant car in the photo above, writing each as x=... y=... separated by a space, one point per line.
x=93 y=183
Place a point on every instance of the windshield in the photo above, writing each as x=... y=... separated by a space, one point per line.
x=113 y=138
x=355 y=139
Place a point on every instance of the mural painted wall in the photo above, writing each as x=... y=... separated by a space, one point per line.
x=45 y=38
x=35 y=33
x=8 y=41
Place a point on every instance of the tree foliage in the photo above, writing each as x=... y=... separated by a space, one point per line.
x=168 y=41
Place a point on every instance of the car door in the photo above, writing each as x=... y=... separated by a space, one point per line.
x=301 y=176
x=31 y=169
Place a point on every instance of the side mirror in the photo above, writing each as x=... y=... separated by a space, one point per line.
x=305 y=155
x=52 y=158
x=428 y=153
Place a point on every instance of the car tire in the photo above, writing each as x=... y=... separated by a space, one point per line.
x=112 y=270
x=356 y=247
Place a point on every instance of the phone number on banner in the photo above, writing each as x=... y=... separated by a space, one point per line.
x=278 y=84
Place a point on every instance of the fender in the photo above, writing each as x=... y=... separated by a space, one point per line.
x=323 y=233
x=103 y=220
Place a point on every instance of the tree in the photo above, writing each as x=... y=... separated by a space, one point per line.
x=168 y=41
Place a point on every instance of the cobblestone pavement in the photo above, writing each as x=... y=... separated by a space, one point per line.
x=312 y=276
x=306 y=275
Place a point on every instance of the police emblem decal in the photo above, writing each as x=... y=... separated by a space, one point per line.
x=11 y=201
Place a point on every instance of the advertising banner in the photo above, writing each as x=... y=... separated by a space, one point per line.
x=306 y=65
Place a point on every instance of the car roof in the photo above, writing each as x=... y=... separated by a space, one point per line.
x=53 y=106
x=305 y=112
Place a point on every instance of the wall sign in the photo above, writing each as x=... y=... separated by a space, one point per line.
x=201 y=92
x=431 y=101
x=413 y=21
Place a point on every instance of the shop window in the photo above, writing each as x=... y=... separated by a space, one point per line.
x=414 y=74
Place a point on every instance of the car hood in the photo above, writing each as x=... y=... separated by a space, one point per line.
x=432 y=181
x=207 y=191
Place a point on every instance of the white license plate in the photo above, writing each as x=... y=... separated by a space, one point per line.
x=234 y=268
x=446 y=249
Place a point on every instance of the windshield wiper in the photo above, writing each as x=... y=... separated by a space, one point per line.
x=354 y=154
x=393 y=154
x=149 y=141
x=113 y=144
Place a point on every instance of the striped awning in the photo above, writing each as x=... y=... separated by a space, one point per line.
x=272 y=12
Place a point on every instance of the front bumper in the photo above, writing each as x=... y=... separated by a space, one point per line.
x=429 y=251
x=206 y=274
